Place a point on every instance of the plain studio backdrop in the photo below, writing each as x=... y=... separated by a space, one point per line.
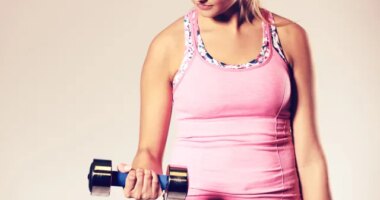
x=69 y=89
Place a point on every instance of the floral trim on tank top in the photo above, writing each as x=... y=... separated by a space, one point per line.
x=276 y=40
x=189 y=52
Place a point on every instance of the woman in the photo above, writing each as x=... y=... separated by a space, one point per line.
x=246 y=125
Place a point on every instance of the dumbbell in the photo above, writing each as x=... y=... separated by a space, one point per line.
x=101 y=178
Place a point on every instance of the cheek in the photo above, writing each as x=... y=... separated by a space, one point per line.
x=223 y=5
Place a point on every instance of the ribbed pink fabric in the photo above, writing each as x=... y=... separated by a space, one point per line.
x=233 y=130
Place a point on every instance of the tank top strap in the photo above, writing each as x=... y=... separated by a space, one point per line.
x=190 y=28
x=269 y=15
x=189 y=47
x=275 y=40
x=267 y=28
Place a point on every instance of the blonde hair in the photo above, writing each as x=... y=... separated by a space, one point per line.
x=250 y=9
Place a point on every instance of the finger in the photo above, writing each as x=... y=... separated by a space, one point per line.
x=123 y=167
x=130 y=183
x=139 y=183
x=147 y=185
x=156 y=188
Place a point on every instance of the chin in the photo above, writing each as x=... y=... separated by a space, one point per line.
x=207 y=13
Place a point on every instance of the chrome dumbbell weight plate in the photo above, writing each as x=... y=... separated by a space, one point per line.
x=178 y=182
x=100 y=177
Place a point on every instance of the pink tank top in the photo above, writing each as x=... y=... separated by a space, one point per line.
x=234 y=122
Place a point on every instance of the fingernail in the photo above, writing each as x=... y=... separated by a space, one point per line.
x=132 y=173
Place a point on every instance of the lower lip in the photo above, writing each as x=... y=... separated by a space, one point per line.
x=204 y=7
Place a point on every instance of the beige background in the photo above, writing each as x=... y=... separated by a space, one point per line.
x=69 y=86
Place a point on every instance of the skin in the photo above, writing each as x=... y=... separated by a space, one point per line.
x=220 y=29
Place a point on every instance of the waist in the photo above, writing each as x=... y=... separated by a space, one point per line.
x=219 y=151
x=238 y=129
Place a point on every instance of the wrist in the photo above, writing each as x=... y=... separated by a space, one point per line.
x=145 y=160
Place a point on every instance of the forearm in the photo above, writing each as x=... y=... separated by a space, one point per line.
x=144 y=159
x=314 y=180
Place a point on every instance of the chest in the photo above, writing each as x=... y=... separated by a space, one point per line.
x=208 y=91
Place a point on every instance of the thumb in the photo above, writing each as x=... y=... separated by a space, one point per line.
x=123 y=167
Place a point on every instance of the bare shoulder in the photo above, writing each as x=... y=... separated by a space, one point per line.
x=170 y=35
x=293 y=37
x=167 y=47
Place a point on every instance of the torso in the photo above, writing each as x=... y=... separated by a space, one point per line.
x=234 y=121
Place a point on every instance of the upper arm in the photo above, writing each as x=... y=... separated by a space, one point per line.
x=156 y=94
x=155 y=101
x=306 y=142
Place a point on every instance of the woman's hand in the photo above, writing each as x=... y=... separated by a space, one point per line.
x=141 y=184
